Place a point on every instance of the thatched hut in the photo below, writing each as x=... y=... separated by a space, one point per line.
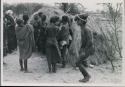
x=49 y=12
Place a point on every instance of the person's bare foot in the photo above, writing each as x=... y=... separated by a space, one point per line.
x=48 y=71
x=54 y=71
x=4 y=63
x=63 y=66
x=21 y=69
x=91 y=66
x=86 y=79
x=27 y=71
x=75 y=68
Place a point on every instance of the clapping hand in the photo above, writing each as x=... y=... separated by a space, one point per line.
x=63 y=43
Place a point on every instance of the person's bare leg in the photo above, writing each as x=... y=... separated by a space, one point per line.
x=26 y=66
x=54 y=67
x=84 y=73
x=63 y=52
x=49 y=67
x=49 y=60
x=21 y=64
x=4 y=63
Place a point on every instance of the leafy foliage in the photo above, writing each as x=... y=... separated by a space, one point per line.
x=113 y=39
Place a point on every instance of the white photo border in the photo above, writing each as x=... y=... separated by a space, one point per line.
x=59 y=84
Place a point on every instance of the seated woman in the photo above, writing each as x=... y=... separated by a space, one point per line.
x=24 y=34
x=52 y=51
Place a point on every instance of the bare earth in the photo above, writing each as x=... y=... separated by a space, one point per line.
x=99 y=74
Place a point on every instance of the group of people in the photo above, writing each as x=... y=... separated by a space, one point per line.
x=52 y=39
x=9 y=40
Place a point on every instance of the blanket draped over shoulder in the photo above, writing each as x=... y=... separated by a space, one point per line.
x=26 y=42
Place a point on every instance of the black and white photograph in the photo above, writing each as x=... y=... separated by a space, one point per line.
x=78 y=43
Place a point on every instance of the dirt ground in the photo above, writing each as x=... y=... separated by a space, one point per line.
x=38 y=65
